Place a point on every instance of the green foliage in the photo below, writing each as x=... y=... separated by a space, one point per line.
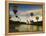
x=37 y=18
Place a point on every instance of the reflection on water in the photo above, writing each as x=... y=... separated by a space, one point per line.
x=24 y=27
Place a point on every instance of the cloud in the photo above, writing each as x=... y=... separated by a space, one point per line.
x=36 y=11
x=24 y=19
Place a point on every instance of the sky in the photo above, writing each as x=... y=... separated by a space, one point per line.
x=24 y=12
x=22 y=8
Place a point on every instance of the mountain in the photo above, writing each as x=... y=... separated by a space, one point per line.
x=26 y=19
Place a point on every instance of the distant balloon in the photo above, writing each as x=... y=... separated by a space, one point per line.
x=15 y=11
x=31 y=14
x=16 y=16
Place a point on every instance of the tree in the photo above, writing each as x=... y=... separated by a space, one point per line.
x=37 y=18
x=37 y=23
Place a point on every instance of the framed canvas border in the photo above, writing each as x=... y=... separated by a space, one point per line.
x=7 y=16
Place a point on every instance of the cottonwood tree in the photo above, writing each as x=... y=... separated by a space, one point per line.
x=37 y=23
